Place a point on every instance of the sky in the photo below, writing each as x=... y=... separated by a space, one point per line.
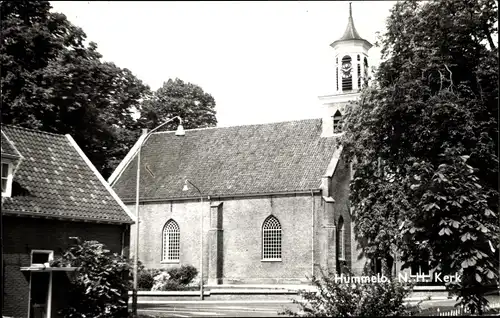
x=261 y=61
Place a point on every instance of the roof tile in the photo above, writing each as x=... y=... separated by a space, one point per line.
x=278 y=157
x=41 y=186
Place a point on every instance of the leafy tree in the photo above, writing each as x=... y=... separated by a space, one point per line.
x=100 y=288
x=177 y=98
x=52 y=81
x=425 y=140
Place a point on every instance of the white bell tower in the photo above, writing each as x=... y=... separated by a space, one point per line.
x=351 y=74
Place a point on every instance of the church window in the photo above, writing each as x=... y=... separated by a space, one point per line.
x=341 y=239
x=337 y=72
x=337 y=76
x=171 y=242
x=271 y=239
x=359 y=75
x=365 y=68
x=346 y=73
x=337 y=122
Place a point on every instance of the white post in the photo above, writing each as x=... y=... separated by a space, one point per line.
x=201 y=248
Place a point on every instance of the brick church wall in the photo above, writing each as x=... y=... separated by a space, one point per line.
x=242 y=236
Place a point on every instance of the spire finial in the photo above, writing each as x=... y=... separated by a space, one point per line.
x=350 y=10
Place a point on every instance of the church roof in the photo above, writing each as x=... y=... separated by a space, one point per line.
x=350 y=32
x=55 y=180
x=252 y=159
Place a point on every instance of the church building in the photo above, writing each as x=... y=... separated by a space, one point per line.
x=253 y=204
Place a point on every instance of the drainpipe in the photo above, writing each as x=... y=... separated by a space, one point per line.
x=312 y=229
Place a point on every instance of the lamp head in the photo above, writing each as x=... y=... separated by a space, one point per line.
x=180 y=131
x=185 y=187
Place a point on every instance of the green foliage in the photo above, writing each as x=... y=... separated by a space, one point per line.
x=100 y=288
x=52 y=81
x=425 y=143
x=340 y=299
x=184 y=275
x=175 y=278
x=176 y=98
x=145 y=279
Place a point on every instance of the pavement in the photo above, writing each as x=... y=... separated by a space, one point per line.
x=209 y=308
x=248 y=308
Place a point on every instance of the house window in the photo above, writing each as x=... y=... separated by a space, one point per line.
x=341 y=239
x=6 y=179
x=271 y=239
x=346 y=73
x=171 y=242
x=337 y=122
x=41 y=257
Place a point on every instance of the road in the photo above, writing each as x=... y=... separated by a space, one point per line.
x=216 y=309
x=255 y=308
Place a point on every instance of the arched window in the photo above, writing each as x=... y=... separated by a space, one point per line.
x=271 y=239
x=171 y=241
x=341 y=239
x=346 y=73
x=337 y=72
x=337 y=122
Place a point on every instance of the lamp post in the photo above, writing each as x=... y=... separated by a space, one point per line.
x=145 y=136
x=186 y=188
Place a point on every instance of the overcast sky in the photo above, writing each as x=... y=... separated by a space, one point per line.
x=261 y=61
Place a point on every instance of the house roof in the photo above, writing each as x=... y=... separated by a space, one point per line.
x=350 y=32
x=55 y=179
x=8 y=150
x=253 y=159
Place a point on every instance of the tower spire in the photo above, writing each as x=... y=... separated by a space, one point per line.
x=350 y=32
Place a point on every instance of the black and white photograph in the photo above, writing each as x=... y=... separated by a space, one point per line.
x=249 y=159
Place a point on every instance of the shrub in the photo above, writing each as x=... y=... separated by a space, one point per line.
x=160 y=281
x=184 y=274
x=145 y=280
x=100 y=286
x=340 y=299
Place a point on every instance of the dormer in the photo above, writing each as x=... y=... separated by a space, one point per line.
x=10 y=158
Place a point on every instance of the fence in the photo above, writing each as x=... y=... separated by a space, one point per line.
x=461 y=311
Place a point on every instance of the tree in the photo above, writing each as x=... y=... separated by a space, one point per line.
x=100 y=287
x=177 y=98
x=52 y=81
x=425 y=140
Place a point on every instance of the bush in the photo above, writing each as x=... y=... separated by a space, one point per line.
x=145 y=280
x=184 y=274
x=340 y=299
x=100 y=286
x=177 y=278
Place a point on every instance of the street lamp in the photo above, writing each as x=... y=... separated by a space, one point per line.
x=143 y=139
x=186 y=188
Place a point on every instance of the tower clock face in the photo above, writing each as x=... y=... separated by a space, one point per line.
x=346 y=69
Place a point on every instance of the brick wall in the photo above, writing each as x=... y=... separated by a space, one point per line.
x=21 y=235
x=242 y=236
